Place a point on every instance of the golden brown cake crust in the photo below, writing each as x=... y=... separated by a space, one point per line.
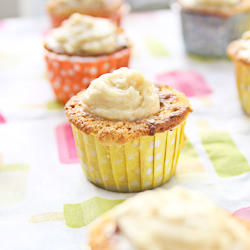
x=173 y=111
x=232 y=52
x=98 y=235
x=106 y=9
x=243 y=6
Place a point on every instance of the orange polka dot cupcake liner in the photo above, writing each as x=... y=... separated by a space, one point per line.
x=56 y=21
x=242 y=71
x=144 y=164
x=70 y=74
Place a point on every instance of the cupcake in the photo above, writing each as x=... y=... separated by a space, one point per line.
x=128 y=132
x=210 y=25
x=60 y=10
x=176 y=219
x=82 y=49
x=239 y=52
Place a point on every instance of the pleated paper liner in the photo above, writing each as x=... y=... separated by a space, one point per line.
x=144 y=164
x=70 y=74
x=115 y=17
x=243 y=82
x=209 y=35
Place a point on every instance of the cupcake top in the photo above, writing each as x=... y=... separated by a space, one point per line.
x=122 y=95
x=240 y=49
x=223 y=7
x=211 y=3
x=176 y=218
x=86 y=36
x=88 y=7
x=122 y=106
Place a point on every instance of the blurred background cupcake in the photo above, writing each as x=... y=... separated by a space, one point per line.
x=239 y=52
x=128 y=132
x=175 y=219
x=210 y=25
x=82 y=49
x=60 y=10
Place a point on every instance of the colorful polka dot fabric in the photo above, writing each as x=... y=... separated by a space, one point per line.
x=46 y=201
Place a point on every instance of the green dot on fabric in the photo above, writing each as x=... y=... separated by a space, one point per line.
x=54 y=105
x=227 y=159
x=14 y=167
x=207 y=58
x=188 y=153
x=156 y=47
x=189 y=161
x=80 y=215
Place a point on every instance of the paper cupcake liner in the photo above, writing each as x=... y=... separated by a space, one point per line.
x=57 y=20
x=209 y=35
x=144 y=164
x=70 y=74
x=116 y=17
x=243 y=82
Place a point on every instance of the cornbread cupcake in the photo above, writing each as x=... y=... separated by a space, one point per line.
x=82 y=49
x=60 y=10
x=210 y=25
x=176 y=219
x=239 y=52
x=128 y=131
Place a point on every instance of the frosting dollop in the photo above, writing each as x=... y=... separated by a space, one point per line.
x=243 y=50
x=179 y=219
x=82 y=34
x=122 y=95
x=83 y=6
x=210 y=3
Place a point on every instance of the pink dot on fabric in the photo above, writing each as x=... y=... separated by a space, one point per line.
x=243 y=213
x=45 y=33
x=2 y=119
x=66 y=144
x=188 y=82
x=2 y=24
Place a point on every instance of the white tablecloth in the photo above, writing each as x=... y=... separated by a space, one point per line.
x=39 y=169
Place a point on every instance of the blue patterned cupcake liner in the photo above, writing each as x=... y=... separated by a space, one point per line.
x=209 y=34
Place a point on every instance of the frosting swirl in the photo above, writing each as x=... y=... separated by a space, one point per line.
x=211 y=3
x=244 y=46
x=179 y=219
x=122 y=95
x=82 y=34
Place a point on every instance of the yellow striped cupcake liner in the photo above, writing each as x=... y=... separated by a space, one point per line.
x=243 y=82
x=141 y=165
